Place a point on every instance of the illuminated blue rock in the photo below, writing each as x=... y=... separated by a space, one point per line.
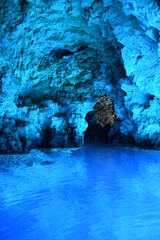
x=57 y=56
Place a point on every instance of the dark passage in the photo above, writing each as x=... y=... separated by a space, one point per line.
x=100 y=120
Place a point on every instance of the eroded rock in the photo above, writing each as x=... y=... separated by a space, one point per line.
x=57 y=56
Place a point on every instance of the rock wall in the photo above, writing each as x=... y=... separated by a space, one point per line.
x=58 y=56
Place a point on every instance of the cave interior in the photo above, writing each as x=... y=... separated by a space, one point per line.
x=100 y=121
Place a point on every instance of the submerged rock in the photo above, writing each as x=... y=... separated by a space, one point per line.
x=58 y=56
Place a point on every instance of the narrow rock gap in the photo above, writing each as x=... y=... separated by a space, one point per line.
x=23 y=6
x=60 y=53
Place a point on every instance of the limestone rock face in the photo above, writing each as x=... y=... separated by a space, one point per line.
x=58 y=56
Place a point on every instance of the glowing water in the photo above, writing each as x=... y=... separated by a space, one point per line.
x=93 y=193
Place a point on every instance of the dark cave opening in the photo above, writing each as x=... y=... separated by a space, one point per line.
x=95 y=133
x=100 y=121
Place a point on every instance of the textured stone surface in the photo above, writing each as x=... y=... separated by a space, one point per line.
x=58 y=56
x=104 y=111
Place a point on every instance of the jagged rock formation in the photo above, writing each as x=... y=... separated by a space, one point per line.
x=57 y=56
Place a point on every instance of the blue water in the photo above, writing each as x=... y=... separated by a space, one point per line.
x=92 y=193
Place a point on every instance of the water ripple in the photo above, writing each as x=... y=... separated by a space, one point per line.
x=89 y=193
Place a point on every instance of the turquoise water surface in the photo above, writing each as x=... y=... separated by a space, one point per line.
x=91 y=193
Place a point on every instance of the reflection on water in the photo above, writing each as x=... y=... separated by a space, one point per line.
x=92 y=193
